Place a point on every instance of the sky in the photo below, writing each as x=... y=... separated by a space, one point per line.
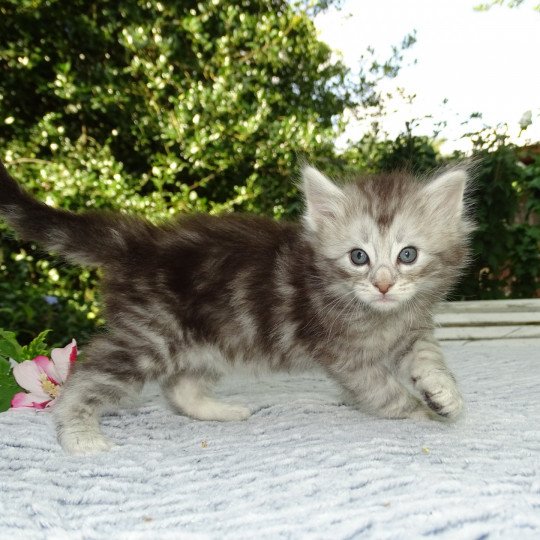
x=486 y=62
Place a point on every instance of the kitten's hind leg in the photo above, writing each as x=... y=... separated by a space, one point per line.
x=188 y=394
x=99 y=383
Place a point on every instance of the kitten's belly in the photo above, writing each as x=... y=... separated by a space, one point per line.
x=210 y=358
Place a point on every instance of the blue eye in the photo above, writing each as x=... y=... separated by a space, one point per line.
x=408 y=255
x=359 y=257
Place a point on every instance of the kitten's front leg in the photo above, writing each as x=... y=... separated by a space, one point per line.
x=424 y=372
x=375 y=389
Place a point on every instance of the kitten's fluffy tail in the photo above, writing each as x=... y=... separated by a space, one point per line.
x=90 y=238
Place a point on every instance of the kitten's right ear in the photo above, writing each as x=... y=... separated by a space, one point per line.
x=323 y=198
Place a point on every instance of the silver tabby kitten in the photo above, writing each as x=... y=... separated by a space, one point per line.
x=350 y=289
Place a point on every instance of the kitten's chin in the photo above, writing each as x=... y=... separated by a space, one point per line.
x=384 y=303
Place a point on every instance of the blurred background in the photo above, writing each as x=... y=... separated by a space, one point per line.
x=163 y=107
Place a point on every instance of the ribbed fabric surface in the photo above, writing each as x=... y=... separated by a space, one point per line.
x=303 y=466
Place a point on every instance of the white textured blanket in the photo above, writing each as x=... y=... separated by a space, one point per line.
x=303 y=466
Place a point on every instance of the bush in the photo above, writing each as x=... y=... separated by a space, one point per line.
x=506 y=244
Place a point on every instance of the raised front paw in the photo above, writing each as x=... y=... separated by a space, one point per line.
x=439 y=392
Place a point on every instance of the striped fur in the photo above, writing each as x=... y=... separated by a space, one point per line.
x=188 y=301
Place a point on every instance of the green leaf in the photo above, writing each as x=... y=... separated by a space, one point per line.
x=36 y=347
x=8 y=385
x=9 y=347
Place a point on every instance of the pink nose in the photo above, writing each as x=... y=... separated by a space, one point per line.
x=383 y=286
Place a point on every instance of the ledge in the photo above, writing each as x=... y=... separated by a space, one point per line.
x=489 y=319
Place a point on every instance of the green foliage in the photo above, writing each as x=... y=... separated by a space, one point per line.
x=10 y=347
x=506 y=244
x=37 y=292
x=8 y=385
x=485 y=6
x=408 y=152
x=197 y=101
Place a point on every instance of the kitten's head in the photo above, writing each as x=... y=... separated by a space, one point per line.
x=389 y=239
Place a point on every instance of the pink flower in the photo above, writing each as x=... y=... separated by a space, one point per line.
x=43 y=378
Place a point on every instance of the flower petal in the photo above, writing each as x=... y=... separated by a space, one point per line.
x=27 y=374
x=48 y=367
x=31 y=401
x=74 y=351
x=51 y=403
x=63 y=358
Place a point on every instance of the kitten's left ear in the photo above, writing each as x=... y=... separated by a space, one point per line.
x=323 y=198
x=445 y=193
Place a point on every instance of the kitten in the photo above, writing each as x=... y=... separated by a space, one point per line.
x=349 y=289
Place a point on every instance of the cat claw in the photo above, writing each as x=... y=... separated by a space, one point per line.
x=441 y=396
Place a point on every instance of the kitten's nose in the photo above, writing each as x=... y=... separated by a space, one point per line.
x=383 y=279
x=383 y=286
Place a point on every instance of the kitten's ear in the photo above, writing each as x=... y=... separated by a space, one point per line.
x=445 y=193
x=323 y=198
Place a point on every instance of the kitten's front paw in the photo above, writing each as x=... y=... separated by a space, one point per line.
x=439 y=392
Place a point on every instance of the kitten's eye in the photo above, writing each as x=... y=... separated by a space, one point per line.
x=408 y=255
x=359 y=257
